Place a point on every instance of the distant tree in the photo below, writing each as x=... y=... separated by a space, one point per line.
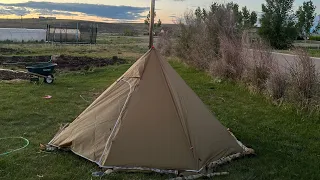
x=204 y=13
x=148 y=20
x=243 y=19
x=249 y=19
x=198 y=13
x=253 y=18
x=277 y=23
x=129 y=32
x=214 y=7
x=201 y=14
x=159 y=23
x=238 y=15
x=305 y=15
x=246 y=17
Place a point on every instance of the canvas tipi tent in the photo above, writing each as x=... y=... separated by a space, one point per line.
x=149 y=118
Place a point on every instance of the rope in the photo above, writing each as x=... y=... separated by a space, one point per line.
x=8 y=152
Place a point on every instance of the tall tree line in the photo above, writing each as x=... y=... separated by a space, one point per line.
x=280 y=24
x=243 y=17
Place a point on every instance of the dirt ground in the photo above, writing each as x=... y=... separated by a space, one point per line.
x=10 y=75
x=63 y=61
x=71 y=63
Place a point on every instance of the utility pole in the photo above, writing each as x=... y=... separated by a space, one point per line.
x=77 y=31
x=151 y=24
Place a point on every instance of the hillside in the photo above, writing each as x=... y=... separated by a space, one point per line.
x=102 y=27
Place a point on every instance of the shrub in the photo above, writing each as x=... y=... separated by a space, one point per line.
x=231 y=64
x=192 y=43
x=277 y=83
x=129 y=32
x=304 y=80
x=259 y=65
x=164 y=44
x=198 y=39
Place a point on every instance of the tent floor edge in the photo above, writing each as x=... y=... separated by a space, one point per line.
x=207 y=171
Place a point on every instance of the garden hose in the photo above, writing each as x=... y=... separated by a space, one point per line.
x=8 y=152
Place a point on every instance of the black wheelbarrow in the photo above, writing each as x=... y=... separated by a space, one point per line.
x=42 y=69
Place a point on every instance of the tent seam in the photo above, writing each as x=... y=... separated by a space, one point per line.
x=145 y=64
x=178 y=112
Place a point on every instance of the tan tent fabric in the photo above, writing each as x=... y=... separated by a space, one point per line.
x=148 y=118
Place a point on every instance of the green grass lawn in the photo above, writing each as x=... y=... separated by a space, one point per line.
x=288 y=146
x=314 y=52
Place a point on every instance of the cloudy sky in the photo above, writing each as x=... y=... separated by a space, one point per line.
x=114 y=10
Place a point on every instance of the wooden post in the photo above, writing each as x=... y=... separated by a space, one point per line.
x=151 y=25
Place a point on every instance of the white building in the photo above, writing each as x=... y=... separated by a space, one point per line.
x=21 y=34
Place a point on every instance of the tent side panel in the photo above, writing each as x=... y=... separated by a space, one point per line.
x=209 y=138
x=87 y=135
x=151 y=135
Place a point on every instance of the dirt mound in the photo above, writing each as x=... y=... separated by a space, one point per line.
x=72 y=63
x=10 y=75
x=78 y=62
